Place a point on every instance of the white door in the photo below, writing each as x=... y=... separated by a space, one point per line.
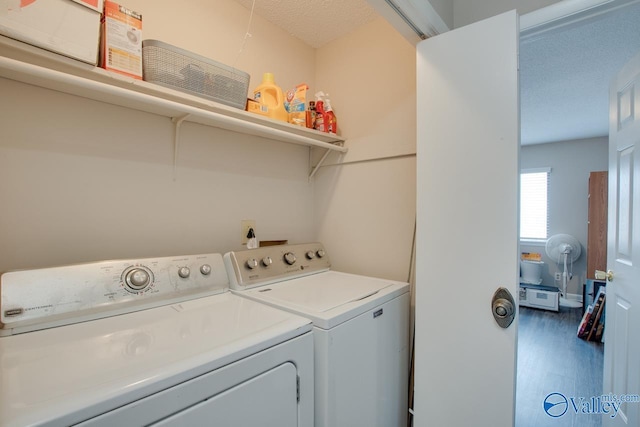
x=622 y=349
x=467 y=231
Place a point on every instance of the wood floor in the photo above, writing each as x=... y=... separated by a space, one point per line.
x=552 y=359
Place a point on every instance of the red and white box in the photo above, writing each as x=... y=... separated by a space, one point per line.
x=68 y=27
x=121 y=48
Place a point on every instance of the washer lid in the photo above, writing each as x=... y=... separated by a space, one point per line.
x=329 y=298
x=323 y=292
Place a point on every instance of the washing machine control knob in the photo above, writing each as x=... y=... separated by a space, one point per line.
x=320 y=253
x=205 y=269
x=310 y=255
x=184 y=272
x=252 y=263
x=290 y=258
x=267 y=261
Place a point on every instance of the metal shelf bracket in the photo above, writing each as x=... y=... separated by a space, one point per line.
x=177 y=123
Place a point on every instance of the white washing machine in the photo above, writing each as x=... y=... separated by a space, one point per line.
x=360 y=328
x=157 y=342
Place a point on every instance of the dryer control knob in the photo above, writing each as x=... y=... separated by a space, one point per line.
x=310 y=255
x=267 y=261
x=320 y=253
x=252 y=263
x=205 y=269
x=137 y=279
x=290 y=258
x=184 y=272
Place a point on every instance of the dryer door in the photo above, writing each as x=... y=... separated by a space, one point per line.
x=251 y=403
x=258 y=390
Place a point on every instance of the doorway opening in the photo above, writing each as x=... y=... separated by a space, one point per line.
x=551 y=357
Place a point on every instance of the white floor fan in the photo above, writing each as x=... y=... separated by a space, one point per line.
x=565 y=249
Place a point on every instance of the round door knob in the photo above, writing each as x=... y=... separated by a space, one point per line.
x=501 y=311
x=137 y=279
x=267 y=261
x=320 y=253
x=290 y=258
x=503 y=308
x=310 y=255
x=205 y=269
x=184 y=272
x=252 y=263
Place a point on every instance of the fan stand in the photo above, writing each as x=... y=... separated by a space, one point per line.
x=569 y=303
x=564 y=247
x=564 y=301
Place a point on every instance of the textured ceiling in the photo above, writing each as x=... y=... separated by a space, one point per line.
x=315 y=22
x=565 y=76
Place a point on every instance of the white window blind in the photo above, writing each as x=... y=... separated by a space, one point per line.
x=534 y=185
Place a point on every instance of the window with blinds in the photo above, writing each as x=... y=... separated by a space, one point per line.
x=534 y=213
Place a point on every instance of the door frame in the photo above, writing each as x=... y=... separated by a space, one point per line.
x=425 y=21
x=565 y=13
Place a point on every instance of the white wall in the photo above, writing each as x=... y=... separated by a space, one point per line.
x=570 y=162
x=216 y=29
x=82 y=180
x=365 y=209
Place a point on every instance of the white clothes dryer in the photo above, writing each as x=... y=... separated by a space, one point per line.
x=360 y=329
x=157 y=342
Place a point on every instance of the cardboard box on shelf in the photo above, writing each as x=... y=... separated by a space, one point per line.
x=67 y=27
x=257 y=108
x=121 y=47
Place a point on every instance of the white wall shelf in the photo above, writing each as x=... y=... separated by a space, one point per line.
x=72 y=77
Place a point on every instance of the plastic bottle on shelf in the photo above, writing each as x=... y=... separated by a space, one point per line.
x=311 y=115
x=330 y=119
x=270 y=96
x=319 y=123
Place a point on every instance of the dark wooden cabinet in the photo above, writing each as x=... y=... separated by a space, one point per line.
x=597 y=223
